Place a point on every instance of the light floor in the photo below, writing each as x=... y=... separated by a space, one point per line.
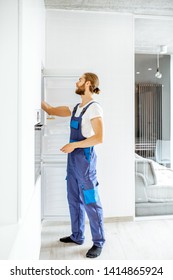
x=147 y=240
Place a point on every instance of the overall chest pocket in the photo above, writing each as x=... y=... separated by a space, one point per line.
x=74 y=124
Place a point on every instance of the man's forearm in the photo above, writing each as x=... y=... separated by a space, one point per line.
x=46 y=107
x=61 y=111
x=91 y=141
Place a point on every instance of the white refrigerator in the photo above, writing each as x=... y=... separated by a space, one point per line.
x=58 y=91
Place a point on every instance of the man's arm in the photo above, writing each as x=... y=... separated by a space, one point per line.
x=97 y=138
x=61 y=111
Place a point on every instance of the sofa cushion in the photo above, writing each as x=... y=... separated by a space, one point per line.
x=146 y=168
x=140 y=190
x=160 y=193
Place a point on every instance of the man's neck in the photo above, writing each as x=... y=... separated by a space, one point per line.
x=86 y=99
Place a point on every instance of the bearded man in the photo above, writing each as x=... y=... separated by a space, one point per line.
x=82 y=185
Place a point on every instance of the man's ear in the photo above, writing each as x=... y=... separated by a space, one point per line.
x=88 y=83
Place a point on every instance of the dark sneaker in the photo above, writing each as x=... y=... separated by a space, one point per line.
x=68 y=239
x=94 y=252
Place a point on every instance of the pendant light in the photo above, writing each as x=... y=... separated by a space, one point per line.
x=158 y=75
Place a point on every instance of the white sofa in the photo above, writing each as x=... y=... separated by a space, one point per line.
x=153 y=188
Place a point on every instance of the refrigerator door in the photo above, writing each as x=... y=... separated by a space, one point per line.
x=59 y=91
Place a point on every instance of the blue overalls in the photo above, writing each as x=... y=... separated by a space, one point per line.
x=82 y=187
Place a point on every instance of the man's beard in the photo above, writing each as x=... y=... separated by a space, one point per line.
x=80 y=90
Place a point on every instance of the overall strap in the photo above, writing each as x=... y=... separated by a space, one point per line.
x=75 y=109
x=84 y=109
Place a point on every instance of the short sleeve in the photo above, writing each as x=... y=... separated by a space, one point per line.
x=95 y=111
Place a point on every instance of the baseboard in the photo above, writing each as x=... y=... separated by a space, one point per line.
x=66 y=220
x=119 y=219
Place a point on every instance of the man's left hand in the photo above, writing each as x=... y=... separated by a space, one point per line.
x=68 y=148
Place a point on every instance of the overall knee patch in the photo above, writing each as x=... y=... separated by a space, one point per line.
x=90 y=195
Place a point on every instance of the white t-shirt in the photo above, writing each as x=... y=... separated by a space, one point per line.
x=93 y=111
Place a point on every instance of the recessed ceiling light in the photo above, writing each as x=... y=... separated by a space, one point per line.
x=149 y=69
x=137 y=73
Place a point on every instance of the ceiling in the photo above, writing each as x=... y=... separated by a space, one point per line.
x=153 y=19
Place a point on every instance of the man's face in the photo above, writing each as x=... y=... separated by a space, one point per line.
x=80 y=86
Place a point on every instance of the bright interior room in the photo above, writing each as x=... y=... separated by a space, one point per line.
x=154 y=175
x=129 y=45
x=153 y=160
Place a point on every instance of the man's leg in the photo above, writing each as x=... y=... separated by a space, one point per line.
x=93 y=207
x=77 y=211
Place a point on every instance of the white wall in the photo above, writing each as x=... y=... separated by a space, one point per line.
x=78 y=42
x=31 y=57
x=26 y=245
x=8 y=111
x=22 y=53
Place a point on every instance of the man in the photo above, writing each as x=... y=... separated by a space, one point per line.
x=82 y=185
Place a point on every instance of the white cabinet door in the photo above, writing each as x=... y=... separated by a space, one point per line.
x=54 y=196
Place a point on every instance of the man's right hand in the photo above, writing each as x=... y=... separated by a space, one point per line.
x=61 y=111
